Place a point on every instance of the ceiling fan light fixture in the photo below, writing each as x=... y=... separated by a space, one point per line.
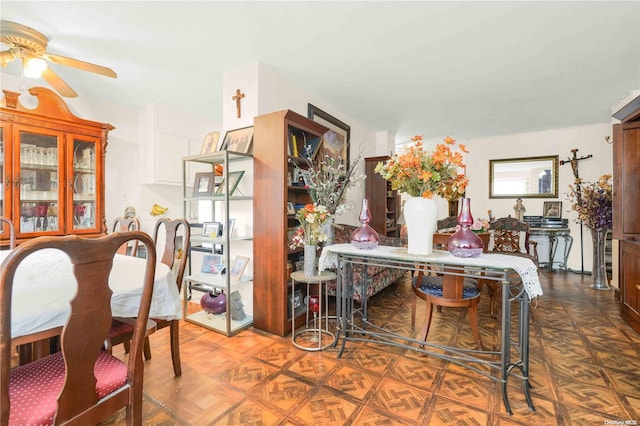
x=34 y=67
x=6 y=57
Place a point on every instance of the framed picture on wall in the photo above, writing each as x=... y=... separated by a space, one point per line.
x=552 y=209
x=336 y=140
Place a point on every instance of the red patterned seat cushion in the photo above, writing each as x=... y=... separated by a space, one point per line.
x=118 y=328
x=506 y=241
x=34 y=387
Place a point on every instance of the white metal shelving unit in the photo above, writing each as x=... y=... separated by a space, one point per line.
x=220 y=208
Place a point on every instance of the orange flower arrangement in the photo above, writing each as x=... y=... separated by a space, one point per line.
x=423 y=174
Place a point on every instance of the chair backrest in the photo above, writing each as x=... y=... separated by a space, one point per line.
x=171 y=250
x=86 y=329
x=123 y=224
x=447 y=223
x=506 y=233
x=7 y=227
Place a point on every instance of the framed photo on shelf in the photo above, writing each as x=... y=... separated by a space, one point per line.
x=234 y=179
x=211 y=229
x=237 y=269
x=291 y=210
x=213 y=264
x=336 y=140
x=552 y=209
x=238 y=140
x=295 y=300
x=210 y=142
x=204 y=184
x=232 y=223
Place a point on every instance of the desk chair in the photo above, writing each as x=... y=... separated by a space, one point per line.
x=82 y=383
x=121 y=332
x=123 y=224
x=7 y=226
x=456 y=292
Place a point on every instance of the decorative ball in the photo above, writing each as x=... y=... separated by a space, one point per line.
x=214 y=303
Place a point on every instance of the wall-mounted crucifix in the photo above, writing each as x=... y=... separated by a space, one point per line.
x=574 y=161
x=238 y=96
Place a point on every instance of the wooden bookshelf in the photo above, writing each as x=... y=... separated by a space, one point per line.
x=272 y=144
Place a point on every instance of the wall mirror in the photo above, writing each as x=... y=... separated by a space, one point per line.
x=530 y=177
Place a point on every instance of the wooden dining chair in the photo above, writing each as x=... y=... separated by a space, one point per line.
x=456 y=292
x=7 y=227
x=123 y=224
x=81 y=384
x=510 y=236
x=121 y=332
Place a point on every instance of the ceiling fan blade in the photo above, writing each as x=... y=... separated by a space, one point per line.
x=85 y=66
x=58 y=84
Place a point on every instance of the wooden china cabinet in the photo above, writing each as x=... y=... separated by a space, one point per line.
x=626 y=203
x=52 y=168
x=274 y=136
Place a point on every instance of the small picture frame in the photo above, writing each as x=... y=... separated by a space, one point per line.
x=234 y=179
x=213 y=264
x=291 y=210
x=237 y=268
x=211 y=229
x=295 y=300
x=204 y=184
x=232 y=223
x=238 y=140
x=210 y=142
x=552 y=209
x=298 y=177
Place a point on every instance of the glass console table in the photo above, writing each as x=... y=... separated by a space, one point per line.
x=513 y=357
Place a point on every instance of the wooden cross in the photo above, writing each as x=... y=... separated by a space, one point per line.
x=574 y=161
x=238 y=96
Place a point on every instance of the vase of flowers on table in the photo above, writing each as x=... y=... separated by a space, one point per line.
x=328 y=179
x=424 y=176
x=310 y=233
x=593 y=201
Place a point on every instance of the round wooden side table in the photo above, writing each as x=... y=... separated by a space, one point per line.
x=316 y=337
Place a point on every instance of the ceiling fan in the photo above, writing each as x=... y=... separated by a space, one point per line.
x=30 y=46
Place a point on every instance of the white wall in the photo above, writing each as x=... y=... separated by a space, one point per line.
x=266 y=91
x=587 y=139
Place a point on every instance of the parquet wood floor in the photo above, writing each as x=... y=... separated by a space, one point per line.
x=585 y=370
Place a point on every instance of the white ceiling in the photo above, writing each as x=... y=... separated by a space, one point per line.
x=468 y=69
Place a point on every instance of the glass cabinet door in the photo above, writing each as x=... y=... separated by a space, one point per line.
x=37 y=161
x=83 y=184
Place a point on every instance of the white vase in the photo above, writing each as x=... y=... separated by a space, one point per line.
x=421 y=217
